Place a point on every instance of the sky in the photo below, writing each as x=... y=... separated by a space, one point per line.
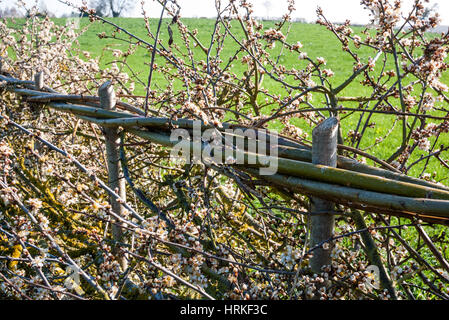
x=335 y=10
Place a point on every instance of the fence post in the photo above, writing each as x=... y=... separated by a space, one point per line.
x=324 y=151
x=116 y=180
x=39 y=80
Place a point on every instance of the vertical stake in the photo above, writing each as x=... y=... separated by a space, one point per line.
x=39 y=80
x=324 y=151
x=38 y=85
x=116 y=180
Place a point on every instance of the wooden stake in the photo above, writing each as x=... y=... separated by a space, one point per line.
x=324 y=151
x=39 y=80
x=116 y=180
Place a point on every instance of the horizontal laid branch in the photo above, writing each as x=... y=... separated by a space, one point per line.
x=353 y=165
x=80 y=98
x=46 y=97
x=294 y=153
x=284 y=151
x=436 y=210
x=317 y=172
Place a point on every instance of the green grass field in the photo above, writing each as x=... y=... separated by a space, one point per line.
x=317 y=42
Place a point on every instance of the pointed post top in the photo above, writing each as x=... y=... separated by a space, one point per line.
x=330 y=125
x=107 y=96
x=324 y=142
x=39 y=80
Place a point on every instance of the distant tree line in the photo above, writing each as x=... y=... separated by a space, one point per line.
x=10 y=13
x=112 y=8
x=103 y=8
